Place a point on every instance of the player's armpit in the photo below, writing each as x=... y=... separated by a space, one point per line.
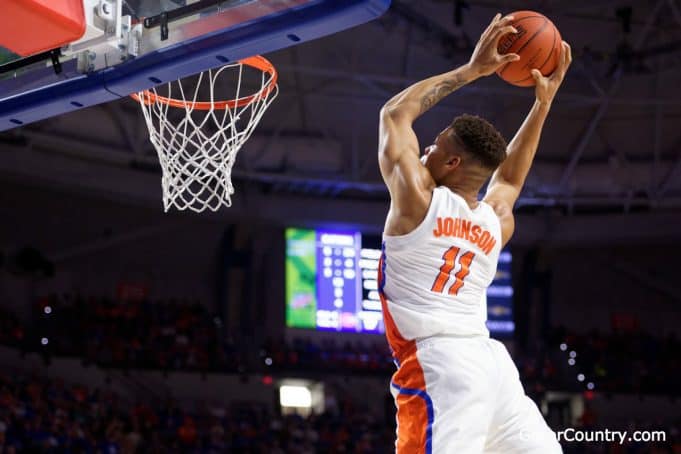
x=501 y=197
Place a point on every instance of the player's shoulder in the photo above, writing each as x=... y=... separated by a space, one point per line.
x=499 y=206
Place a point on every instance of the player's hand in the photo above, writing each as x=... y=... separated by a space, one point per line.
x=547 y=86
x=486 y=58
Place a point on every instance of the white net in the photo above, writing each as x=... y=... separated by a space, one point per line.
x=197 y=142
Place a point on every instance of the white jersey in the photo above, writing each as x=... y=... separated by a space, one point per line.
x=455 y=389
x=434 y=279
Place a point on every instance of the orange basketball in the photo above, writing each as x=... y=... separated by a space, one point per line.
x=538 y=43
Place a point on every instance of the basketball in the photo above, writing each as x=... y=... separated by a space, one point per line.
x=538 y=44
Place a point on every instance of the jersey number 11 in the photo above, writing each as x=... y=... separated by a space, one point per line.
x=449 y=257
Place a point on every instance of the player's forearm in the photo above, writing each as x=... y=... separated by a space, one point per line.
x=522 y=149
x=420 y=97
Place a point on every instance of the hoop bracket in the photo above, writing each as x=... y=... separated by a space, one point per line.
x=164 y=26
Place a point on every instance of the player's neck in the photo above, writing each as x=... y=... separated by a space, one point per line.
x=468 y=189
x=471 y=197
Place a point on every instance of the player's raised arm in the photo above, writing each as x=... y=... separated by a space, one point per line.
x=508 y=180
x=398 y=146
x=408 y=180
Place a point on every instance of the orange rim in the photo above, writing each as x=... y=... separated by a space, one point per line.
x=256 y=61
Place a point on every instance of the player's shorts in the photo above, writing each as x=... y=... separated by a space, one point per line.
x=463 y=395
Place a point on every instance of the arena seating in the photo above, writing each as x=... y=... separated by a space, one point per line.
x=46 y=415
x=38 y=414
x=42 y=415
x=183 y=335
x=167 y=335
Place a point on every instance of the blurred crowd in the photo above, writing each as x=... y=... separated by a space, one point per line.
x=635 y=361
x=12 y=331
x=48 y=416
x=183 y=335
x=167 y=335
x=40 y=415
x=631 y=362
x=327 y=355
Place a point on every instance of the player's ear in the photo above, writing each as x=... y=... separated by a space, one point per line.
x=453 y=161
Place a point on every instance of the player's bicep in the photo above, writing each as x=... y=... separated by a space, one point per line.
x=398 y=155
x=396 y=139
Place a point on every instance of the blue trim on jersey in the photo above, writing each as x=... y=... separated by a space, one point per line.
x=429 y=408
x=381 y=285
x=381 y=282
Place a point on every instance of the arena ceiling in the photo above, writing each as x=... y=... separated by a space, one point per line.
x=612 y=142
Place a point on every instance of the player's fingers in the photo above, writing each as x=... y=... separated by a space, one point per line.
x=536 y=75
x=499 y=33
x=567 y=50
x=508 y=58
x=501 y=23
x=505 y=20
x=565 y=56
x=565 y=59
x=491 y=25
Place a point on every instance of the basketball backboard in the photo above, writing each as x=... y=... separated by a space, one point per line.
x=156 y=41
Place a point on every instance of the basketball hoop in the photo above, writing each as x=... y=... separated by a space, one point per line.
x=197 y=148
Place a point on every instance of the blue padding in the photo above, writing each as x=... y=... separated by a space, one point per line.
x=71 y=94
x=308 y=22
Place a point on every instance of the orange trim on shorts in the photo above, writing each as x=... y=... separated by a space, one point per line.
x=414 y=409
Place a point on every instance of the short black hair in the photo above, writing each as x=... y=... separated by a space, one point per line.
x=480 y=139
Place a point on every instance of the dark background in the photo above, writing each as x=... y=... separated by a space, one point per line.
x=159 y=325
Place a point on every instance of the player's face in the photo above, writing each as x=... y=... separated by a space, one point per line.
x=438 y=156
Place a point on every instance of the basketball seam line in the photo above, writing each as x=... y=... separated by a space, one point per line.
x=553 y=49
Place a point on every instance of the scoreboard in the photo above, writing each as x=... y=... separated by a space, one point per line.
x=331 y=282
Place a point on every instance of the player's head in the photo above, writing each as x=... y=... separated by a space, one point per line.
x=469 y=147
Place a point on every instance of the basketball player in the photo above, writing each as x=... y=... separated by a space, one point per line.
x=456 y=390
